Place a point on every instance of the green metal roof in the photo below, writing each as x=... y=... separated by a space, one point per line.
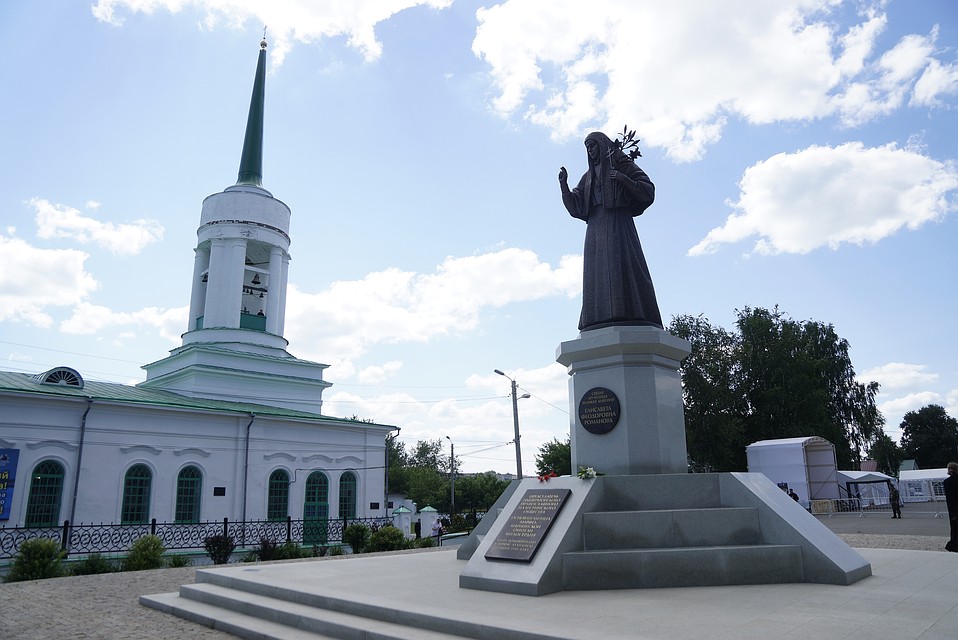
x=251 y=162
x=11 y=382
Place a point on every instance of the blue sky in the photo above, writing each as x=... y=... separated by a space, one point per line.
x=804 y=154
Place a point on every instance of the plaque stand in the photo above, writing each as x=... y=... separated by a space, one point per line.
x=627 y=376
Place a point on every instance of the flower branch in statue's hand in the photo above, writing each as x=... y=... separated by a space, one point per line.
x=628 y=145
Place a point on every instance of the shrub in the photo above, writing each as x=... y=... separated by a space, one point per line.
x=289 y=551
x=219 y=548
x=178 y=561
x=267 y=550
x=37 y=559
x=146 y=553
x=423 y=543
x=93 y=564
x=388 y=538
x=357 y=537
x=336 y=550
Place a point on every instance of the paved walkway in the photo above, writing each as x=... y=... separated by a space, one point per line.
x=106 y=606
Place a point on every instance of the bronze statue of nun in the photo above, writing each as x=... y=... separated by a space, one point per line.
x=616 y=284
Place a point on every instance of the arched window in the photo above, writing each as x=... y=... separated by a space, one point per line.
x=277 y=497
x=347 y=495
x=136 y=495
x=189 y=485
x=316 y=509
x=46 y=489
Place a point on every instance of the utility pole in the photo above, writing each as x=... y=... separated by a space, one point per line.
x=515 y=421
x=452 y=481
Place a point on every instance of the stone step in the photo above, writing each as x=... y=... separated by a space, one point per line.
x=682 y=567
x=671 y=528
x=251 y=615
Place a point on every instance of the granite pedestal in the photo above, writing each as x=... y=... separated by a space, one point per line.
x=629 y=375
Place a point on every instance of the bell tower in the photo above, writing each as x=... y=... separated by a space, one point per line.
x=238 y=300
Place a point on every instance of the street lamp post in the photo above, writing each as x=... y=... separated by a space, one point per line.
x=515 y=421
x=452 y=480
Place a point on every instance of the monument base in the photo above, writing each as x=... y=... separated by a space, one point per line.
x=625 y=392
x=653 y=531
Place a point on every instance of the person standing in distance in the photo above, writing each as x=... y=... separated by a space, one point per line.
x=950 y=486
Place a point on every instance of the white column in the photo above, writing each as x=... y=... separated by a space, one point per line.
x=282 y=294
x=273 y=297
x=217 y=285
x=234 y=292
x=201 y=263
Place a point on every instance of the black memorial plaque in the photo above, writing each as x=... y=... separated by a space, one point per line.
x=527 y=525
x=599 y=410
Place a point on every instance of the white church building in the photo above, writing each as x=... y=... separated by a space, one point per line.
x=229 y=425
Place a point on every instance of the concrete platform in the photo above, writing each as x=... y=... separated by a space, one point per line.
x=911 y=595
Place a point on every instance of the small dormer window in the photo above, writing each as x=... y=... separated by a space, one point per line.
x=62 y=376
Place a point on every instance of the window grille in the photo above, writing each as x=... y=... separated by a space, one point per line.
x=188 y=490
x=347 y=495
x=136 y=495
x=277 y=499
x=46 y=489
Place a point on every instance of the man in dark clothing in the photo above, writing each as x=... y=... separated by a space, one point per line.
x=951 y=499
x=895 y=498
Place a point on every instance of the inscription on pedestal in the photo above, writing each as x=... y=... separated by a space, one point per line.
x=599 y=410
x=527 y=525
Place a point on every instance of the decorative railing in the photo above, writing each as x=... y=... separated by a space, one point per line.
x=82 y=539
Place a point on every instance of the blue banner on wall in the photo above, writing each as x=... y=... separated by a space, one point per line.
x=8 y=476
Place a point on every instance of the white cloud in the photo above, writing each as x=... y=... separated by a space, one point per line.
x=379 y=373
x=829 y=196
x=62 y=221
x=895 y=409
x=677 y=70
x=89 y=319
x=288 y=21
x=338 y=325
x=899 y=375
x=33 y=279
x=936 y=81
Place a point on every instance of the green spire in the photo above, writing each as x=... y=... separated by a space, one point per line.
x=251 y=162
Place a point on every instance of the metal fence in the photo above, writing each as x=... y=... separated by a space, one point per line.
x=863 y=508
x=82 y=539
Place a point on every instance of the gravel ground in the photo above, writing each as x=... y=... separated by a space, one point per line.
x=106 y=606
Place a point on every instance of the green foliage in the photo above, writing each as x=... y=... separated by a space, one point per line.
x=554 y=457
x=336 y=550
x=422 y=543
x=357 y=537
x=478 y=492
x=713 y=407
x=219 y=548
x=290 y=551
x=178 y=561
x=930 y=436
x=387 y=538
x=37 y=559
x=92 y=565
x=146 y=553
x=887 y=454
x=773 y=378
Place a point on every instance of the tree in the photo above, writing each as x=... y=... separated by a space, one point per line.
x=930 y=436
x=478 y=492
x=887 y=454
x=555 y=457
x=713 y=408
x=773 y=378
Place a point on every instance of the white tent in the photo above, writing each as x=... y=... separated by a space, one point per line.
x=872 y=486
x=807 y=465
x=922 y=485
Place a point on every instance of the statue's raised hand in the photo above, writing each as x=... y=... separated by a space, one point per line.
x=563 y=175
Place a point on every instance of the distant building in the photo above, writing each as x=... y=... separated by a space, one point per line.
x=229 y=425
